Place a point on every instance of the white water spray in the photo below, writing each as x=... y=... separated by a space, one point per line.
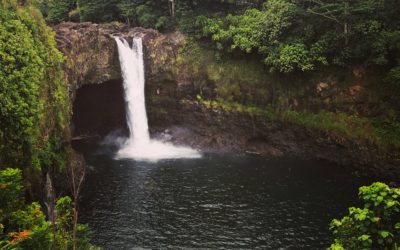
x=139 y=146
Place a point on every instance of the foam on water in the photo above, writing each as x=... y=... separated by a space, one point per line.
x=139 y=146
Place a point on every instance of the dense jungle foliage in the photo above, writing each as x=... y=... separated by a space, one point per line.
x=34 y=104
x=288 y=35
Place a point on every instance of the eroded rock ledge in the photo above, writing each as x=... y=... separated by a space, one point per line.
x=216 y=129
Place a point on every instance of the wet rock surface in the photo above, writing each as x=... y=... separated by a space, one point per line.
x=215 y=130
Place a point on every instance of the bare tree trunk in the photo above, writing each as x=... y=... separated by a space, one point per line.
x=171 y=4
x=346 y=24
x=173 y=8
x=77 y=169
x=50 y=205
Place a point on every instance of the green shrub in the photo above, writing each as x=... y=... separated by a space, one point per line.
x=25 y=226
x=11 y=191
x=32 y=221
x=58 y=10
x=289 y=57
x=393 y=77
x=98 y=11
x=376 y=226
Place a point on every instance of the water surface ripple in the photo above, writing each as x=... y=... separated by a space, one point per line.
x=217 y=202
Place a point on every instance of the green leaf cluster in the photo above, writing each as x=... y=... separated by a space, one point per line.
x=264 y=32
x=146 y=13
x=298 y=36
x=11 y=190
x=98 y=10
x=376 y=226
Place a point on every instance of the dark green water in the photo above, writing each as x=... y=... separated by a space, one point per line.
x=217 y=202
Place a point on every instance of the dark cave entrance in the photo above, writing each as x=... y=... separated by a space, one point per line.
x=99 y=109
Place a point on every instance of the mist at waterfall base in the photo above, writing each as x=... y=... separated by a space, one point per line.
x=139 y=146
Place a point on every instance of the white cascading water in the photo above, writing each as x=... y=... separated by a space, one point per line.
x=138 y=145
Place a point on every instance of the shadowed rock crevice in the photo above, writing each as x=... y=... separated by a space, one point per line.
x=99 y=109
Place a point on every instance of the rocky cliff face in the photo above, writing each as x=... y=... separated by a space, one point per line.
x=216 y=129
x=91 y=55
x=91 y=58
x=177 y=72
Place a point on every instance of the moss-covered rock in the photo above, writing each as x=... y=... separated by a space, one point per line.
x=91 y=56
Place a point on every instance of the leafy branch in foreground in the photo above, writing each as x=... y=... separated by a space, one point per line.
x=24 y=226
x=376 y=226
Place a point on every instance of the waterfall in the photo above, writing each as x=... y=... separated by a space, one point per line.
x=139 y=145
x=132 y=68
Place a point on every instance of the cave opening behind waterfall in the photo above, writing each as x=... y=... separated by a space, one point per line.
x=99 y=109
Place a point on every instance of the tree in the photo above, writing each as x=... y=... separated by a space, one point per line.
x=361 y=20
x=127 y=11
x=264 y=31
x=98 y=10
x=76 y=176
x=336 y=11
x=255 y=29
x=171 y=6
x=58 y=10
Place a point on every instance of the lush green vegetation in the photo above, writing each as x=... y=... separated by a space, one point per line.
x=302 y=35
x=288 y=35
x=24 y=226
x=34 y=117
x=34 y=105
x=375 y=226
x=239 y=53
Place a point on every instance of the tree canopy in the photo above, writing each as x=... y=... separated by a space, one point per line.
x=289 y=35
